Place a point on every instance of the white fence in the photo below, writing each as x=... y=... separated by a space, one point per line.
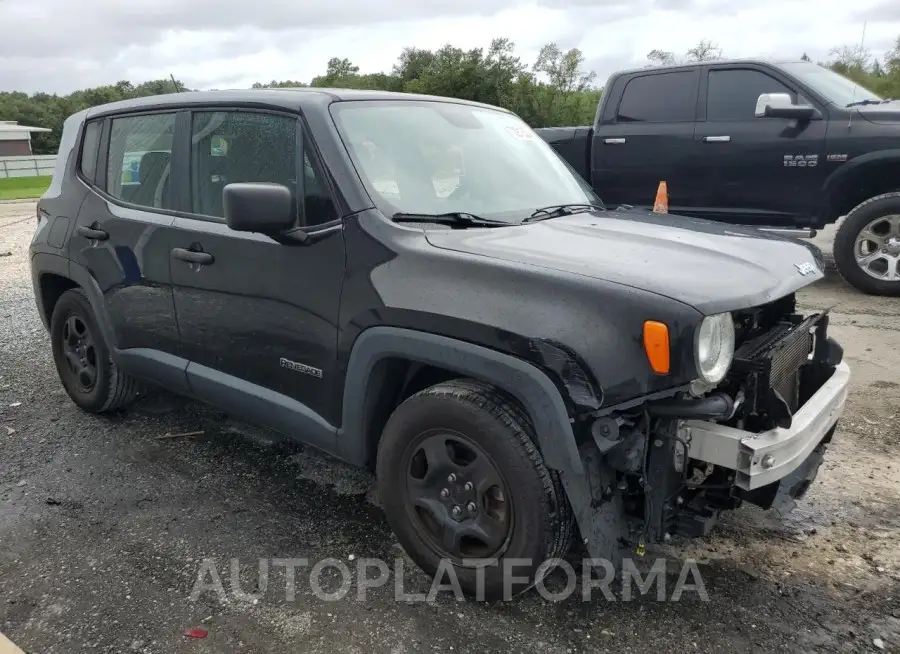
x=35 y=166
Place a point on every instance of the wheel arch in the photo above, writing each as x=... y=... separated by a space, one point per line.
x=862 y=178
x=53 y=275
x=50 y=279
x=387 y=364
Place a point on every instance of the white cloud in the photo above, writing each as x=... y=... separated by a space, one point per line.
x=61 y=45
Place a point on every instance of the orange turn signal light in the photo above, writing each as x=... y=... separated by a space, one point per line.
x=656 y=346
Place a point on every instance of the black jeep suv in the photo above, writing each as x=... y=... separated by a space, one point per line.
x=422 y=285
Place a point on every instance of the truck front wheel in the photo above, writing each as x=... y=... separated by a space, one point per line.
x=466 y=491
x=867 y=246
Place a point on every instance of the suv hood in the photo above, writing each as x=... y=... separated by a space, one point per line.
x=881 y=114
x=711 y=266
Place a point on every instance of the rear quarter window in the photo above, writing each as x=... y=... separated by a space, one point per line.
x=90 y=145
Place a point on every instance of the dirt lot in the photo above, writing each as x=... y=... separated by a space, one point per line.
x=104 y=528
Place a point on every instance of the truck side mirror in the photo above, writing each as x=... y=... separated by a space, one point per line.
x=780 y=105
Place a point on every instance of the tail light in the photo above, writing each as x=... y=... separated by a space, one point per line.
x=40 y=213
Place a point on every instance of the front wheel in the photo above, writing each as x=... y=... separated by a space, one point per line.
x=867 y=246
x=466 y=491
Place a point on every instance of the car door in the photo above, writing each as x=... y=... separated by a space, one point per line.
x=258 y=318
x=760 y=171
x=648 y=137
x=122 y=238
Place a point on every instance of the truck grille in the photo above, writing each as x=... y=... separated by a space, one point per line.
x=773 y=360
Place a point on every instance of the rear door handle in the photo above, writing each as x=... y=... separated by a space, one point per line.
x=92 y=233
x=717 y=139
x=617 y=141
x=193 y=257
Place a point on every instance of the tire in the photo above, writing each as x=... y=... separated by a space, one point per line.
x=108 y=388
x=532 y=508
x=866 y=216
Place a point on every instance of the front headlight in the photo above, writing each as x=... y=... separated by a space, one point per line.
x=714 y=347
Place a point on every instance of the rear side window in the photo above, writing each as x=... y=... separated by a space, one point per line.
x=87 y=162
x=732 y=94
x=659 y=98
x=140 y=149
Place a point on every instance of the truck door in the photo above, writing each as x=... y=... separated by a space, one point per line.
x=759 y=171
x=648 y=137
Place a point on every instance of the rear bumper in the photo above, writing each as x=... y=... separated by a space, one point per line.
x=760 y=459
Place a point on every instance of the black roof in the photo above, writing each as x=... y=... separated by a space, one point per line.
x=711 y=62
x=288 y=98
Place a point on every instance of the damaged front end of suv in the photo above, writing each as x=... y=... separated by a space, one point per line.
x=753 y=427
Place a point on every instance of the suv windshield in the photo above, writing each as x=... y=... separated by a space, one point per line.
x=432 y=157
x=835 y=88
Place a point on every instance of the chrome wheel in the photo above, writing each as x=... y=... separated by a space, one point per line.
x=877 y=248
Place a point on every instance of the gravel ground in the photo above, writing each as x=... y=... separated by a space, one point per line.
x=104 y=528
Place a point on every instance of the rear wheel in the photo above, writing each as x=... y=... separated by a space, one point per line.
x=867 y=246
x=461 y=481
x=90 y=377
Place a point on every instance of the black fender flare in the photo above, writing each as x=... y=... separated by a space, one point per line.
x=526 y=382
x=43 y=263
x=86 y=281
x=854 y=167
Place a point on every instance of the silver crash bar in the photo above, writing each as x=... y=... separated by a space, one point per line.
x=763 y=458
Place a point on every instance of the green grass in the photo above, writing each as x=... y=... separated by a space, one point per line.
x=22 y=188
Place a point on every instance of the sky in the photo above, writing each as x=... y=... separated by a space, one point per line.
x=58 y=46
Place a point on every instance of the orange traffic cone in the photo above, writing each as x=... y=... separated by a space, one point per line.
x=661 y=205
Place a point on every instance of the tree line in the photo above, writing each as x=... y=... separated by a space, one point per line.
x=554 y=89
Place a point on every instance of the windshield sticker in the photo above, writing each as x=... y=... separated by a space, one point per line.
x=520 y=132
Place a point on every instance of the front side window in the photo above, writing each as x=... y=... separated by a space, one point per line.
x=733 y=94
x=232 y=146
x=440 y=157
x=659 y=98
x=140 y=149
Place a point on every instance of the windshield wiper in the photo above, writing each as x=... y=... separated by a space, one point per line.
x=459 y=218
x=864 y=102
x=557 y=210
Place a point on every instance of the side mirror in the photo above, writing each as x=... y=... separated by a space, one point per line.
x=780 y=105
x=258 y=207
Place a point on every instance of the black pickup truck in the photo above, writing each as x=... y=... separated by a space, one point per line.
x=423 y=286
x=790 y=145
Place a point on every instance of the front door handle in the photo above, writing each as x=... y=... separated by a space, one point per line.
x=193 y=256
x=92 y=233
x=717 y=139
x=617 y=141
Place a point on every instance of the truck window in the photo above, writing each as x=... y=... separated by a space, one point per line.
x=660 y=98
x=732 y=94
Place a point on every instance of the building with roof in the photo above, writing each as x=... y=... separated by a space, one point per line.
x=15 y=139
